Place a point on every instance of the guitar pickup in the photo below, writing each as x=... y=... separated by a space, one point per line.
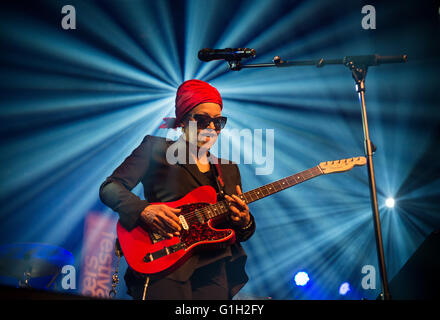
x=183 y=222
x=149 y=257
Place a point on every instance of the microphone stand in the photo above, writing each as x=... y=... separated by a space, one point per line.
x=358 y=66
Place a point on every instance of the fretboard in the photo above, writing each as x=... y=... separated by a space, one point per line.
x=221 y=207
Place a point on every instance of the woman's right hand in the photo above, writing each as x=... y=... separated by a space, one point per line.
x=162 y=219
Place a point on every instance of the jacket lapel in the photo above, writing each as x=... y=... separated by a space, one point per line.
x=194 y=172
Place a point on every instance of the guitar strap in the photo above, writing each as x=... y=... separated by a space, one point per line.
x=219 y=178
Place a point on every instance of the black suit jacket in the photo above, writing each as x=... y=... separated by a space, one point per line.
x=165 y=182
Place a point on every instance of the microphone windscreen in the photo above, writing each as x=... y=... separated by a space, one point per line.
x=204 y=54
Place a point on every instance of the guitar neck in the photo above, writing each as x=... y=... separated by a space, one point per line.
x=280 y=185
x=221 y=207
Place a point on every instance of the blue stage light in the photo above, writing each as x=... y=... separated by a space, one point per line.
x=344 y=289
x=77 y=102
x=301 y=278
x=390 y=202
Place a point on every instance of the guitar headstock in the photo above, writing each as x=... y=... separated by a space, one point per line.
x=341 y=165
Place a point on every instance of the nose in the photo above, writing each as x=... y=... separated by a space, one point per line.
x=211 y=125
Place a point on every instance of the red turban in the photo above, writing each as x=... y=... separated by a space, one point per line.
x=190 y=94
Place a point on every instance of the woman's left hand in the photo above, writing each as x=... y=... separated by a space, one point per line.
x=239 y=211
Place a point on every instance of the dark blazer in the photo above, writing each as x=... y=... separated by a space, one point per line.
x=165 y=182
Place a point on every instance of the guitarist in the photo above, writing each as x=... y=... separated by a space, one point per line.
x=214 y=274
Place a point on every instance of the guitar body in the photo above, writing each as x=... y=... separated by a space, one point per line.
x=148 y=253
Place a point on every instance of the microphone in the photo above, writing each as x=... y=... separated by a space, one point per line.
x=228 y=54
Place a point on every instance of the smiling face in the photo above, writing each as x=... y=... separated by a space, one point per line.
x=206 y=135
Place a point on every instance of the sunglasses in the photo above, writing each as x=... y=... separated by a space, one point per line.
x=203 y=121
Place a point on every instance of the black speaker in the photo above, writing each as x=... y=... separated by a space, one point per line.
x=419 y=278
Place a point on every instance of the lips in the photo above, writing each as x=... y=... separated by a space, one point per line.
x=207 y=133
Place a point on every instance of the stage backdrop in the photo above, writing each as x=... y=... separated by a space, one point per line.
x=83 y=82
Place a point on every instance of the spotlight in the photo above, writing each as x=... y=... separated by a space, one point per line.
x=301 y=278
x=344 y=289
x=390 y=203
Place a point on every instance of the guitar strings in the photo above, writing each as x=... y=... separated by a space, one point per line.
x=300 y=177
x=206 y=209
x=305 y=175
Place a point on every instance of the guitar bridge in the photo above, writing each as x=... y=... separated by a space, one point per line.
x=148 y=258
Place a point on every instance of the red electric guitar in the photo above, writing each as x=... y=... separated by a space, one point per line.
x=149 y=253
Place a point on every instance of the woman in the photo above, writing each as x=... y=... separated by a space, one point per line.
x=215 y=274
